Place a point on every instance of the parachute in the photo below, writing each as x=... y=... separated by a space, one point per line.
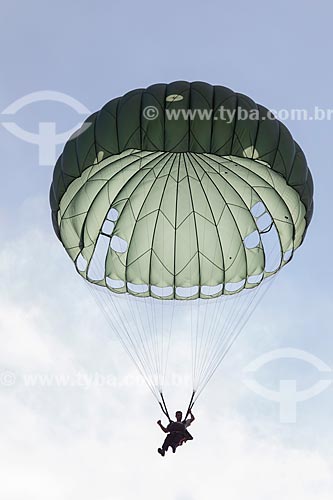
x=177 y=203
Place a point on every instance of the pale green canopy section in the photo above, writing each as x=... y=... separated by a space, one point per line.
x=181 y=206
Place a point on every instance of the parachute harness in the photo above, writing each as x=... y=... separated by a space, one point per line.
x=164 y=408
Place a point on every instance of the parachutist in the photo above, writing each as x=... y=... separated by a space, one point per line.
x=177 y=432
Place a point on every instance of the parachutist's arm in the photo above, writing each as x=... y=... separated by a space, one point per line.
x=192 y=417
x=162 y=426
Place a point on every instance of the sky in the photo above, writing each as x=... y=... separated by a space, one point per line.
x=64 y=441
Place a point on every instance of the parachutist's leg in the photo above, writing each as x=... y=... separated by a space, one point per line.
x=166 y=444
x=188 y=436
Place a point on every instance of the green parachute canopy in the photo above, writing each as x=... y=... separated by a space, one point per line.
x=183 y=198
x=180 y=191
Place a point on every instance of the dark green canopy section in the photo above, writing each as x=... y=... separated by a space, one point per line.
x=180 y=179
x=122 y=124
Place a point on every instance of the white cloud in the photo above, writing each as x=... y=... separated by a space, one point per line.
x=226 y=459
x=63 y=443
